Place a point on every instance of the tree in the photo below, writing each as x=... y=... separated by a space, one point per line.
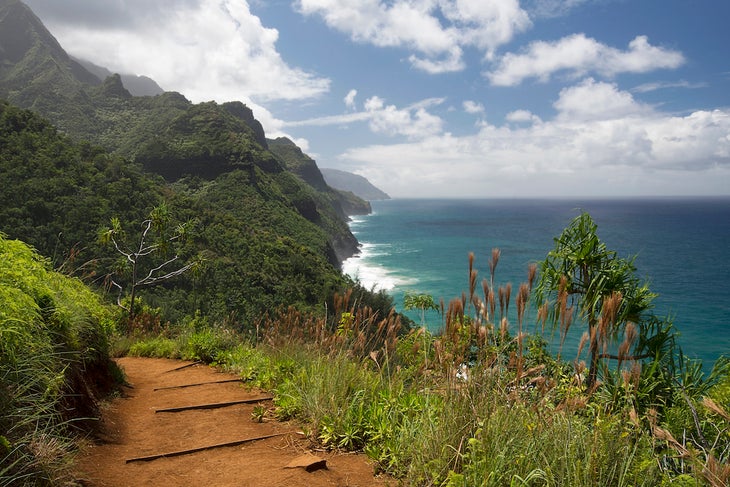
x=421 y=302
x=149 y=257
x=582 y=276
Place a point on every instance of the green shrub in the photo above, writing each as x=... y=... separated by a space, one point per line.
x=155 y=347
x=54 y=343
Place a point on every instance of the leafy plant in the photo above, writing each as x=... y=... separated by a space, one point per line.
x=155 y=238
x=582 y=276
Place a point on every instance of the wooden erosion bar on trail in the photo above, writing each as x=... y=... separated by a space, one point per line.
x=225 y=381
x=183 y=367
x=203 y=448
x=213 y=405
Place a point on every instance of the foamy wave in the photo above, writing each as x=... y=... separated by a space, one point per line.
x=355 y=222
x=370 y=274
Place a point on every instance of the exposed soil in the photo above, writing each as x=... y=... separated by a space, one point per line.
x=132 y=427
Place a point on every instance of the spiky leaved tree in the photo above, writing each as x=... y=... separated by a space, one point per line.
x=582 y=277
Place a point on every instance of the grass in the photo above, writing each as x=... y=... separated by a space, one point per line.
x=481 y=403
x=53 y=350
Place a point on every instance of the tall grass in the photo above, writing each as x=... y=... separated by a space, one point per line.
x=483 y=402
x=53 y=349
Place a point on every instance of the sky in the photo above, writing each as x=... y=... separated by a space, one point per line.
x=448 y=98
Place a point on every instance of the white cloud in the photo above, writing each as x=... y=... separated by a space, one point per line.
x=470 y=106
x=205 y=49
x=663 y=85
x=413 y=121
x=486 y=25
x=552 y=8
x=350 y=99
x=579 y=55
x=591 y=100
x=436 y=30
x=630 y=150
x=451 y=62
x=522 y=116
x=390 y=120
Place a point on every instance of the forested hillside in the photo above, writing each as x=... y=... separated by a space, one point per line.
x=262 y=233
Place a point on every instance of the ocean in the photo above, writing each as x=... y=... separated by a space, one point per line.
x=682 y=247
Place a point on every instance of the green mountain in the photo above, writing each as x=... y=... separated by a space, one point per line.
x=136 y=85
x=271 y=231
x=354 y=183
x=306 y=168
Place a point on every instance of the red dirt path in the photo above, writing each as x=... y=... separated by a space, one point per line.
x=131 y=428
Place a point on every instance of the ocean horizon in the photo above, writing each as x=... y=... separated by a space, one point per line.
x=681 y=244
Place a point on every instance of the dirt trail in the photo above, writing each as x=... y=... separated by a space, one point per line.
x=133 y=427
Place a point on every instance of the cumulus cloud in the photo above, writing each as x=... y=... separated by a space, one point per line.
x=630 y=150
x=470 y=106
x=413 y=121
x=522 y=116
x=591 y=100
x=436 y=30
x=205 y=49
x=578 y=55
x=350 y=99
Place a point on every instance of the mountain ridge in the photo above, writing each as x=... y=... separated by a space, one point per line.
x=137 y=85
x=286 y=233
x=354 y=183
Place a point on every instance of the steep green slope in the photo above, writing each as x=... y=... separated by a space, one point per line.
x=53 y=363
x=270 y=237
x=261 y=252
x=335 y=205
x=165 y=134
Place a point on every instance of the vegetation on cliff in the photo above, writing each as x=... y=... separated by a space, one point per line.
x=54 y=364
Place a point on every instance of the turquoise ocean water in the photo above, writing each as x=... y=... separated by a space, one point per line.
x=683 y=248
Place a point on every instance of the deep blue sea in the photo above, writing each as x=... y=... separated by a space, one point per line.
x=682 y=247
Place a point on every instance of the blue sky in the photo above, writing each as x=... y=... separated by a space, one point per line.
x=449 y=98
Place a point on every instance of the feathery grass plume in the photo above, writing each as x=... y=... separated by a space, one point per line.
x=630 y=336
x=472 y=287
x=523 y=300
x=636 y=372
x=482 y=336
x=715 y=472
x=715 y=408
x=583 y=340
x=634 y=417
x=507 y=297
x=485 y=291
x=492 y=303
x=493 y=264
x=666 y=436
x=566 y=319
x=531 y=274
x=626 y=377
x=503 y=328
x=472 y=277
x=501 y=292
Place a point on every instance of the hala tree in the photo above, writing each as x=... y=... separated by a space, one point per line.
x=147 y=258
x=582 y=277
